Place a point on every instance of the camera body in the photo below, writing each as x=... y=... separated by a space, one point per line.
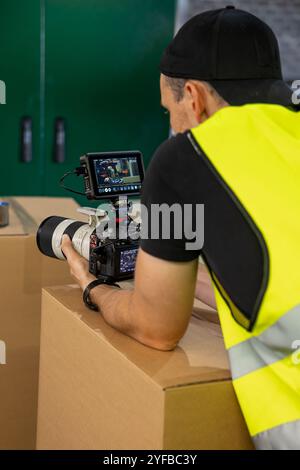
x=110 y=239
x=114 y=259
x=110 y=255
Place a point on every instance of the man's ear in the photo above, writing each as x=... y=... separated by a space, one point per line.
x=195 y=95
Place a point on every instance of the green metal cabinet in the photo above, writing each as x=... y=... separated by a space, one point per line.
x=93 y=63
x=20 y=70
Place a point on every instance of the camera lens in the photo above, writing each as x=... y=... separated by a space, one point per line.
x=50 y=233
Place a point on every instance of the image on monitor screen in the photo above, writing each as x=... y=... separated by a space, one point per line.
x=117 y=174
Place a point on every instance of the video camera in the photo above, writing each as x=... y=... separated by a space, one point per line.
x=110 y=240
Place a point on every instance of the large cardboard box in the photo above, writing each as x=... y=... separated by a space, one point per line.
x=23 y=273
x=99 y=389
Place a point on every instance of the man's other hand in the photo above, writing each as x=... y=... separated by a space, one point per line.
x=79 y=267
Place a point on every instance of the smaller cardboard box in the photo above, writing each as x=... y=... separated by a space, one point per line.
x=24 y=271
x=99 y=389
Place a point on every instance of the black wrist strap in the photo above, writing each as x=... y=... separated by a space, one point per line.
x=90 y=286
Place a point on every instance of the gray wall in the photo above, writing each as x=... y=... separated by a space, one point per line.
x=283 y=16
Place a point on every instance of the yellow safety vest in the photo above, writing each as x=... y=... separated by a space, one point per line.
x=255 y=151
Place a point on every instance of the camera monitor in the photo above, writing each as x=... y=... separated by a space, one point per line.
x=113 y=174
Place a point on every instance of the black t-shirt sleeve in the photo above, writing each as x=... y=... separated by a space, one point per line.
x=167 y=181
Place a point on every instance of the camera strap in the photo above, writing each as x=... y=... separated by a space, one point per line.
x=90 y=286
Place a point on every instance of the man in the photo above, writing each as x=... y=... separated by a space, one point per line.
x=242 y=163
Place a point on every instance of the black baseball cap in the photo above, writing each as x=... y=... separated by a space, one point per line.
x=234 y=51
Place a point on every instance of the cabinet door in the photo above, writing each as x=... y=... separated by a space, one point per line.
x=102 y=79
x=20 y=71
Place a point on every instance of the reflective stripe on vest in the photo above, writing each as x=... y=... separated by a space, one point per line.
x=284 y=437
x=275 y=343
x=255 y=150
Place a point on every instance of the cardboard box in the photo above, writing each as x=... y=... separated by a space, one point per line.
x=23 y=273
x=99 y=389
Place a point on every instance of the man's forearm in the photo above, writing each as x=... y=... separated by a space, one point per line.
x=122 y=311
x=157 y=311
x=115 y=306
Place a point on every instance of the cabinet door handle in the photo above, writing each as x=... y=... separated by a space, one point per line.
x=26 y=139
x=59 y=149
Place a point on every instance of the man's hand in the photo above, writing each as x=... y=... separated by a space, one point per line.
x=79 y=267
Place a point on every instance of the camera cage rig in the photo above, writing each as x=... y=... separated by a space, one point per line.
x=122 y=207
x=119 y=209
x=110 y=249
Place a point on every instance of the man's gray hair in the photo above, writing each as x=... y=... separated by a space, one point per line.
x=177 y=86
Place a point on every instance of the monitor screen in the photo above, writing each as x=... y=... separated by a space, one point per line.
x=117 y=174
